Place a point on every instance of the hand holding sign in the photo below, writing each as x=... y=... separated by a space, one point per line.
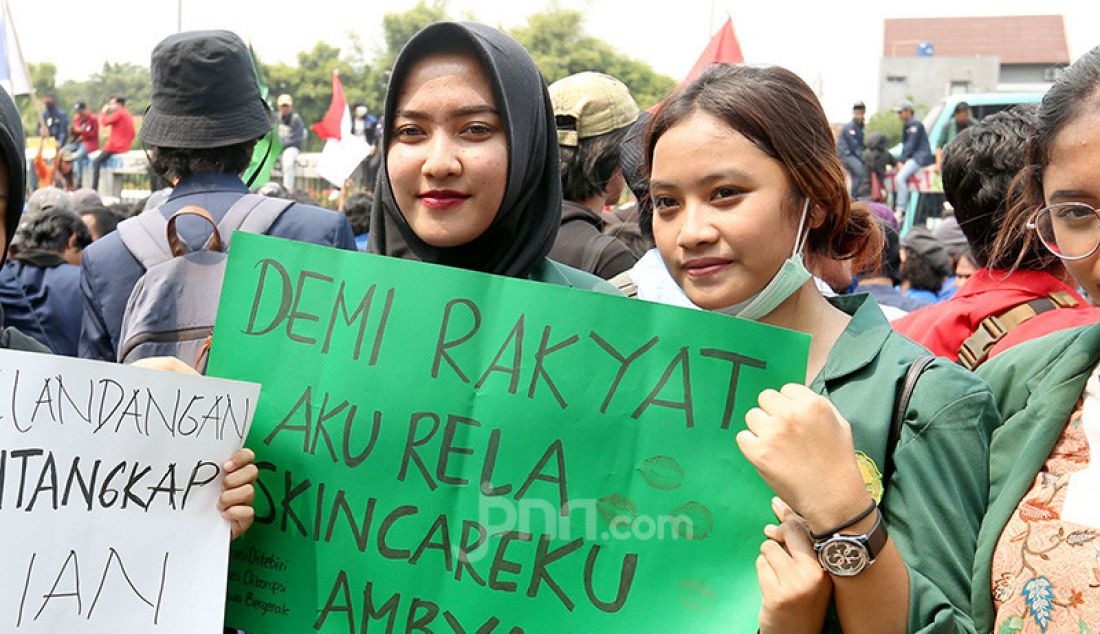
x=796 y=590
x=165 y=364
x=238 y=494
x=109 y=487
x=238 y=491
x=454 y=451
x=803 y=448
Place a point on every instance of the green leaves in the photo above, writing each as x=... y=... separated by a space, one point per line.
x=559 y=45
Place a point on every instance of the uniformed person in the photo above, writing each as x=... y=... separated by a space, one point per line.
x=915 y=153
x=850 y=146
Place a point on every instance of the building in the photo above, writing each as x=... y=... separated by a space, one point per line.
x=924 y=59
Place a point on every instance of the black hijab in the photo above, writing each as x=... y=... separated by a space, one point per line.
x=525 y=226
x=11 y=151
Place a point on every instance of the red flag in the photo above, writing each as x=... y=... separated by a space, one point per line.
x=723 y=48
x=329 y=127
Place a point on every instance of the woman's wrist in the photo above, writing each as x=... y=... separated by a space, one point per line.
x=841 y=510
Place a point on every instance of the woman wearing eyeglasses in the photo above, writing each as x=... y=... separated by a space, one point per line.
x=1038 y=561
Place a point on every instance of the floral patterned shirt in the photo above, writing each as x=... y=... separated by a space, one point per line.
x=1046 y=570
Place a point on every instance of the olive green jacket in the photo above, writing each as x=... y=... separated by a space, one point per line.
x=1037 y=385
x=937 y=497
x=553 y=272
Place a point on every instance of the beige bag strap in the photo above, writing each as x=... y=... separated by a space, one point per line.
x=975 y=350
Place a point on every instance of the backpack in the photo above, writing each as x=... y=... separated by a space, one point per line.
x=172 y=308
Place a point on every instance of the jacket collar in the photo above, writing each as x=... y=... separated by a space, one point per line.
x=576 y=211
x=1035 y=282
x=40 y=258
x=859 y=344
x=205 y=182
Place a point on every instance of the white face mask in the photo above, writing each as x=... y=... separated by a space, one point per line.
x=790 y=277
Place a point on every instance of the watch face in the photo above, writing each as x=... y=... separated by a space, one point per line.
x=843 y=556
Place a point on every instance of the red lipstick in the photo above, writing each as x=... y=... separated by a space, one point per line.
x=442 y=198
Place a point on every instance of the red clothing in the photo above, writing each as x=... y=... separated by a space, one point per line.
x=943 y=327
x=122 y=130
x=87 y=127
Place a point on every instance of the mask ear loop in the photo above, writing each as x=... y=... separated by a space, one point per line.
x=800 y=241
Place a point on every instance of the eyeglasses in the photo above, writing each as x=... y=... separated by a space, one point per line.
x=1070 y=231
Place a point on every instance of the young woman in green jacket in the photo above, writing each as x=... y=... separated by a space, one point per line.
x=745 y=184
x=1037 y=567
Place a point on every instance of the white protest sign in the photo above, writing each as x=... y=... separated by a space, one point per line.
x=109 y=480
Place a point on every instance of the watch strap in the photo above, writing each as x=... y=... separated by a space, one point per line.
x=876 y=537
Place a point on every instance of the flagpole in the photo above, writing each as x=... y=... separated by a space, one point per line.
x=26 y=70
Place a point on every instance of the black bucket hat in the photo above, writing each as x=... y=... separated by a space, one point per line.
x=205 y=93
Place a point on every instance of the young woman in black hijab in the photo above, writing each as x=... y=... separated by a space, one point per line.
x=469 y=174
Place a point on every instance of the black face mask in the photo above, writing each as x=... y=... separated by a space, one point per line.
x=525 y=226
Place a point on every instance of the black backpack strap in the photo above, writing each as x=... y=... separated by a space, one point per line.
x=901 y=405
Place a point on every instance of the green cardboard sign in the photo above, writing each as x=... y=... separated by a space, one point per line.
x=447 y=451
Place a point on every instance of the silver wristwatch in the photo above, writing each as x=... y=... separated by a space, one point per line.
x=848 y=555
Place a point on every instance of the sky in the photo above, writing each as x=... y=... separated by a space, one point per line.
x=834 y=48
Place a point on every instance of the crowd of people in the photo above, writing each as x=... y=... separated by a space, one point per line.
x=77 y=140
x=920 y=472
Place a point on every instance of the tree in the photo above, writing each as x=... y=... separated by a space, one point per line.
x=887 y=122
x=560 y=47
x=129 y=81
x=43 y=78
x=397 y=30
x=310 y=82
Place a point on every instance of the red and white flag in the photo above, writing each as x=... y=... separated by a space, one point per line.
x=343 y=150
